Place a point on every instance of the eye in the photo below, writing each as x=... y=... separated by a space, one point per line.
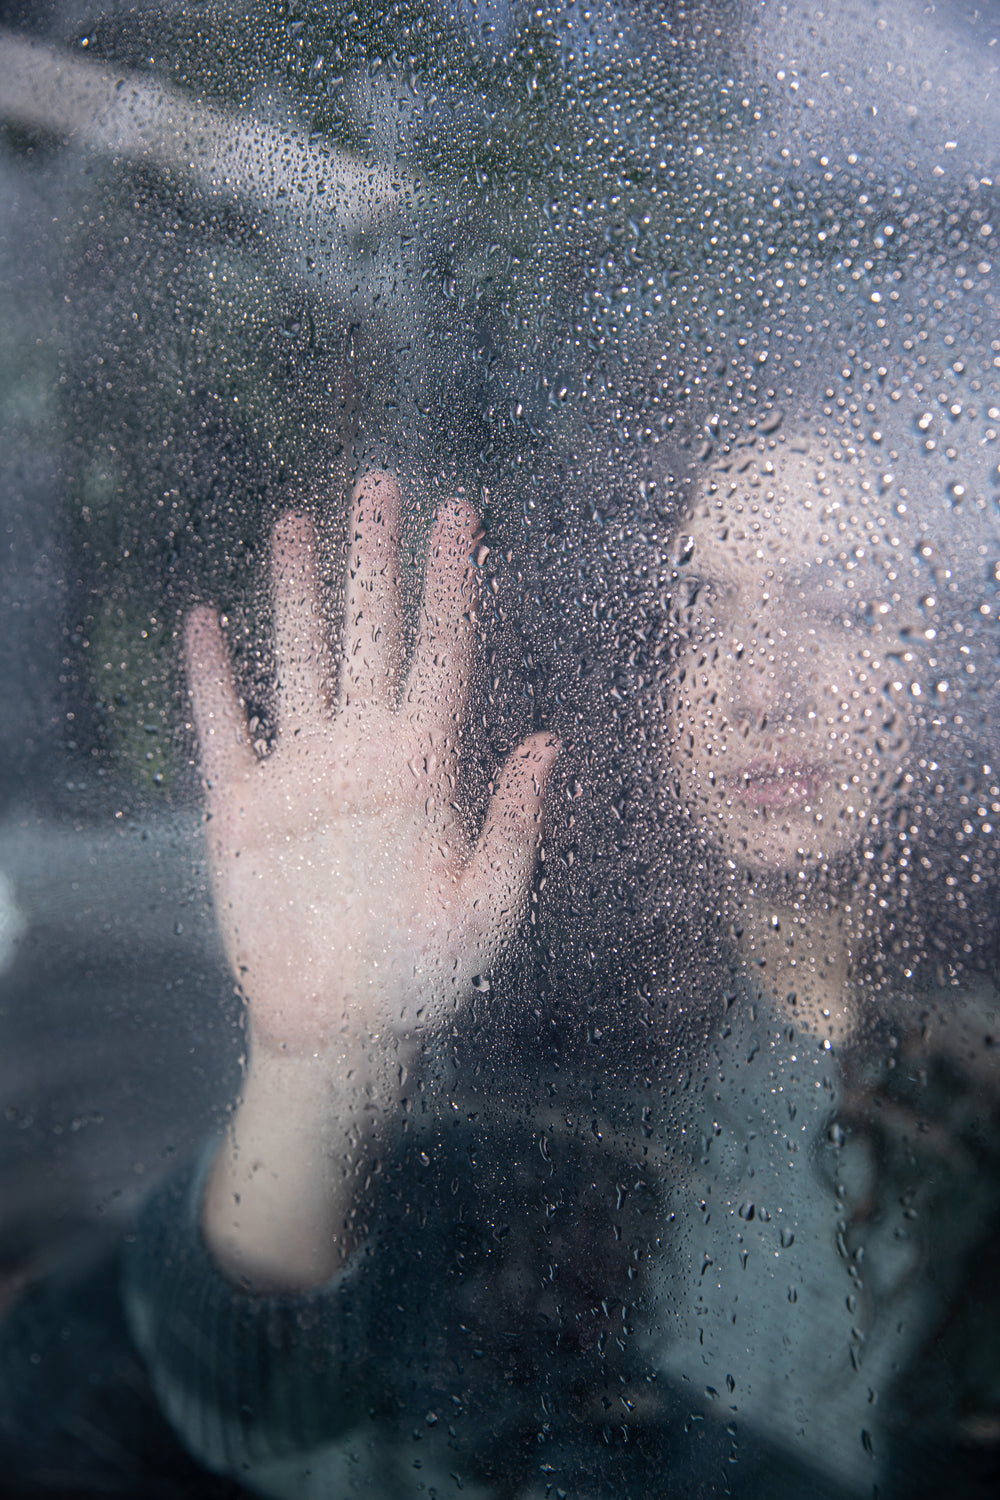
x=841 y=618
x=877 y=612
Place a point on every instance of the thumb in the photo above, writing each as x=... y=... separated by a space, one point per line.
x=498 y=877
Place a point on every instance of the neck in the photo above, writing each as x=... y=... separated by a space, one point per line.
x=801 y=955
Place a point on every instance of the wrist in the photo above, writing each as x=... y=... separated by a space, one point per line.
x=279 y=1206
x=317 y=1094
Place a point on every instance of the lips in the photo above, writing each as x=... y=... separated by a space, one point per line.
x=786 y=783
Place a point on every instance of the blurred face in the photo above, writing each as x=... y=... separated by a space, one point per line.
x=787 y=736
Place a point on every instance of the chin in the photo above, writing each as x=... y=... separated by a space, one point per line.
x=784 y=850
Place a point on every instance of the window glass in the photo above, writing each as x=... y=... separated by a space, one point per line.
x=499 y=758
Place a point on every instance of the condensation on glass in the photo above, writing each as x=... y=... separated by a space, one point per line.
x=675 y=1169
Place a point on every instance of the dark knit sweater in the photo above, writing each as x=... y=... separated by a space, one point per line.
x=588 y=1313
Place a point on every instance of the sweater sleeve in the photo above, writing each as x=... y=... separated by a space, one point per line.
x=246 y=1380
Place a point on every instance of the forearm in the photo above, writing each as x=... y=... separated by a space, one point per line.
x=278 y=1204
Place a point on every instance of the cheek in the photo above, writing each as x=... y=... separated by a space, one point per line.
x=871 y=693
x=840 y=676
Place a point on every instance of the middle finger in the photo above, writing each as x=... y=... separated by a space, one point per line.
x=373 y=634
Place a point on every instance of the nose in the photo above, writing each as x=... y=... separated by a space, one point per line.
x=767 y=685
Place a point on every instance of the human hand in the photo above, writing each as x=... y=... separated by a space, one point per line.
x=354 y=901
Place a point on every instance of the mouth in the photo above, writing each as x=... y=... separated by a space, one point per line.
x=779 y=784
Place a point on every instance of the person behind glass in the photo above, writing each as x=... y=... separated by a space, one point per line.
x=827 y=632
x=816 y=683
x=300 y=1344
x=790 y=726
x=356 y=907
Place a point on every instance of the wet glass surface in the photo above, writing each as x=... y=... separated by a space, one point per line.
x=670 y=1148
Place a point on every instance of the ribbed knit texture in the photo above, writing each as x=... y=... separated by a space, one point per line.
x=245 y=1379
x=495 y=1339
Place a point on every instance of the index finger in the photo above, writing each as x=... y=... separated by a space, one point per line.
x=223 y=737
